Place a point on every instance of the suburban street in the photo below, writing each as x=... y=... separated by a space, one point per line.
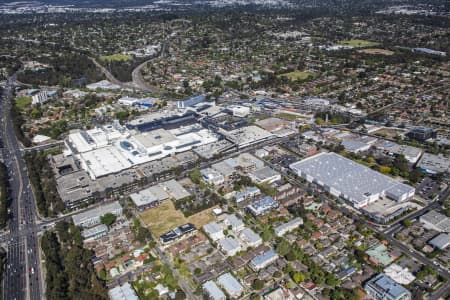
x=22 y=279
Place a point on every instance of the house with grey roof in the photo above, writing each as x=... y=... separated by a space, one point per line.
x=229 y=246
x=214 y=231
x=231 y=285
x=213 y=291
x=250 y=238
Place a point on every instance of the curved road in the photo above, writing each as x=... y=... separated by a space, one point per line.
x=136 y=75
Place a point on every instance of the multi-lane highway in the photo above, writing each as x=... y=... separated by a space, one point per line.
x=22 y=278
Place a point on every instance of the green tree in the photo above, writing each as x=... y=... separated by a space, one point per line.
x=108 y=219
x=267 y=234
x=258 y=284
x=195 y=176
x=283 y=247
x=298 y=277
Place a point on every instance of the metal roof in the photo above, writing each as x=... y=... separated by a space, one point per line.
x=230 y=284
x=99 y=211
x=387 y=286
x=351 y=179
x=441 y=241
x=262 y=258
x=213 y=291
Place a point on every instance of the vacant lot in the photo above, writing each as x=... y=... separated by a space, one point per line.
x=387 y=132
x=117 y=57
x=297 y=75
x=376 y=51
x=165 y=217
x=23 y=102
x=358 y=43
x=286 y=116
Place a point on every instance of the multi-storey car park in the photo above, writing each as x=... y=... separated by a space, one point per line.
x=349 y=180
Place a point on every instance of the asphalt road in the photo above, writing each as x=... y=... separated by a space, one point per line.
x=22 y=278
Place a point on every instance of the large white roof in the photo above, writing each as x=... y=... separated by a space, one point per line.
x=105 y=161
x=353 y=180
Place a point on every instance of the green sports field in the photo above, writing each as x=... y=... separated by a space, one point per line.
x=116 y=57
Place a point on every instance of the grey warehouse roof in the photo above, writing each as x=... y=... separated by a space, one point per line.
x=351 y=179
x=264 y=173
x=437 y=219
x=441 y=241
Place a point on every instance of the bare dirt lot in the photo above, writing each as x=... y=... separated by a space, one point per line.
x=165 y=217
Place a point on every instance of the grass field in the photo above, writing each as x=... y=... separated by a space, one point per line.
x=165 y=217
x=23 y=102
x=358 y=43
x=117 y=57
x=297 y=75
x=377 y=51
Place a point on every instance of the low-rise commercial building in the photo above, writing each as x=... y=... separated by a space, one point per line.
x=355 y=146
x=441 y=241
x=245 y=162
x=240 y=111
x=435 y=221
x=92 y=217
x=412 y=154
x=265 y=175
x=345 y=178
x=150 y=197
x=95 y=232
x=433 y=164
x=211 y=176
x=247 y=136
x=225 y=169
